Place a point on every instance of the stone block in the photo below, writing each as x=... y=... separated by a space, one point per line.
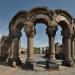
x=67 y=63
x=30 y=66
x=52 y=66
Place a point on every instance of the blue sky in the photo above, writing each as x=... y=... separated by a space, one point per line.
x=8 y=8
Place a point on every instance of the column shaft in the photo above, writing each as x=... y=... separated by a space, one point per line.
x=68 y=48
x=51 y=48
x=16 y=48
x=74 y=46
x=30 y=49
x=72 y=49
x=11 y=50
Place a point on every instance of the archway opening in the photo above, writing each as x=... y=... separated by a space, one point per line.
x=59 y=44
x=23 y=47
x=40 y=42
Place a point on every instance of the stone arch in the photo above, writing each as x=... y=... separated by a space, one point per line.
x=40 y=15
x=50 y=18
x=15 y=27
x=17 y=22
x=65 y=20
x=63 y=16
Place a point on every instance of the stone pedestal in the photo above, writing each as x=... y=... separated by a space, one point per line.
x=68 y=62
x=12 y=62
x=30 y=64
x=51 y=64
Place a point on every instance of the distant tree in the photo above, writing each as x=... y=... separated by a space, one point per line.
x=36 y=50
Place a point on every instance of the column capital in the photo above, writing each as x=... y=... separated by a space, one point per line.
x=66 y=33
x=30 y=34
x=30 y=31
x=51 y=31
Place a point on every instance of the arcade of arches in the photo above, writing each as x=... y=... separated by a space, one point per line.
x=51 y=18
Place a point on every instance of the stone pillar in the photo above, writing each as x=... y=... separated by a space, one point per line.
x=13 y=58
x=30 y=32
x=51 y=61
x=11 y=54
x=30 y=50
x=67 y=47
x=16 y=51
x=73 y=49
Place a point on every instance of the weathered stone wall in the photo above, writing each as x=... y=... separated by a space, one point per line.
x=4 y=47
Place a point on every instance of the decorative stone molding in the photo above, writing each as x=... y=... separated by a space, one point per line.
x=29 y=29
x=51 y=31
x=66 y=33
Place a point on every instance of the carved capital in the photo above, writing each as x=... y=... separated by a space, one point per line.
x=66 y=33
x=51 y=31
x=30 y=33
x=53 y=23
x=29 y=29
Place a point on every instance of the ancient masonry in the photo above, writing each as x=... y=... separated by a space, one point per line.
x=28 y=20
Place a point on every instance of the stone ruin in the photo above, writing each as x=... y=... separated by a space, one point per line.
x=9 y=46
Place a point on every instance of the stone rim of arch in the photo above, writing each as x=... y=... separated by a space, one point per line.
x=39 y=15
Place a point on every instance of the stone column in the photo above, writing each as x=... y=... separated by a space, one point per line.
x=30 y=50
x=73 y=48
x=16 y=51
x=67 y=47
x=13 y=58
x=51 y=61
x=30 y=32
x=11 y=54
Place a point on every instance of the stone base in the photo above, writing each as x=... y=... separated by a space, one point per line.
x=11 y=62
x=14 y=62
x=18 y=62
x=74 y=59
x=30 y=65
x=68 y=63
x=52 y=65
x=2 y=59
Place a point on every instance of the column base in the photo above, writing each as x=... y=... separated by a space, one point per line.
x=14 y=62
x=30 y=64
x=2 y=59
x=51 y=65
x=68 y=62
x=74 y=59
x=18 y=61
x=11 y=62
